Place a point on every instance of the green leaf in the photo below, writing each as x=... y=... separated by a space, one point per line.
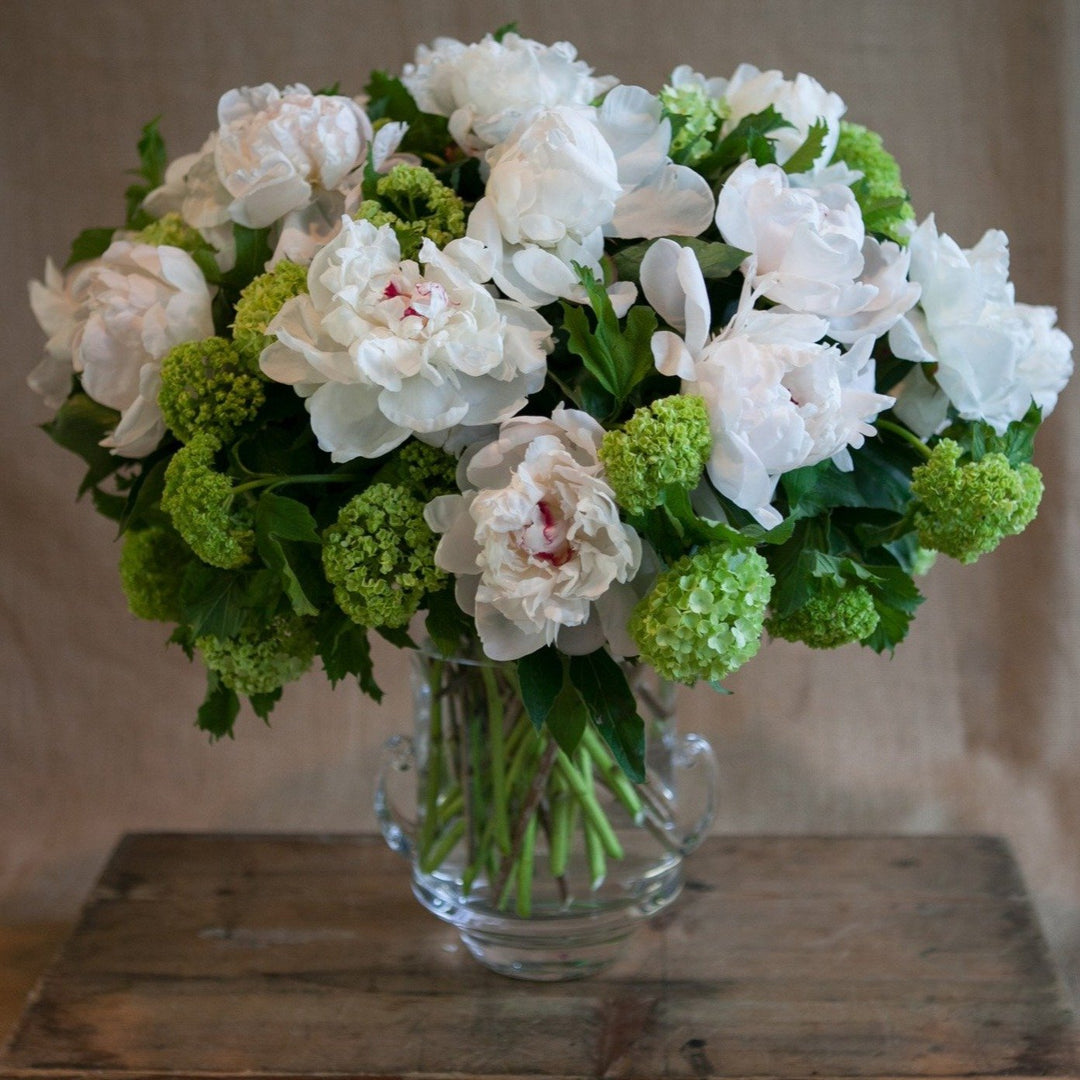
x=747 y=139
x=79 y=426
x=398 y=637
x=388 y=99
x=330 y=91
x=263 y=704
x=143 y=503
x=1017 y=442
x=610 y=701
x=717 y=260
x=446 y=624
x=895 y=598
x=219 y=710
x=221 y=603
x=540 y=676
x=183 y=637
x=89 y=244
x=151 y=171
x=107 y=504
x=282 y=525
x=253 y=252
x=506 y=28
x=803 y=159
x=567 y=717
x=346 y=651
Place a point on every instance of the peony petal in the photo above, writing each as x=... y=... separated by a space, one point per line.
x=348 y=423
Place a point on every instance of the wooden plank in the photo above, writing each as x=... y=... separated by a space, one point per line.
x=786 y=957
x=25 y=950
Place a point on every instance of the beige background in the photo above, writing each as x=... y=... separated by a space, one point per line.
x=973 y=726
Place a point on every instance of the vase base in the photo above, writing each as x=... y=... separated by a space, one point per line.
x=572 y=943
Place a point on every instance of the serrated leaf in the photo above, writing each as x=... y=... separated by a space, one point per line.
x=107 y=504
x=399 y=637
x=89 y=244
x=747 y=138
x=346 y=651
x=804 y=157
x=143 y=503
x=446 y=624
x=221 y=603
x=183 y=637
x=281 y=526
x=896 y=598
x=263 y=704
x=540 y=676
x=612 y=708
x=217 y=714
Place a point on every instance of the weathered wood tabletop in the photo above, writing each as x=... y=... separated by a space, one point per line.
x=302 y=956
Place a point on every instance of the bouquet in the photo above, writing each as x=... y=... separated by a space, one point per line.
x=575 y=378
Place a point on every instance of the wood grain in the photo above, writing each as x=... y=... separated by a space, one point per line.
x=305 y=956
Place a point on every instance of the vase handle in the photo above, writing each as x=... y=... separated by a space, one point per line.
x=398 y=760
x=684 y=805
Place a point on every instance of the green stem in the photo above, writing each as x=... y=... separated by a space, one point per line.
x=284 y=481
x=449 y=839
x=582 y=788
x=434 y=773
x=611 y=774
x=525 y=870
x=901 y=432
x=496 y=737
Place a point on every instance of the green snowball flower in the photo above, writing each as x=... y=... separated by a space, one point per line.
x=261 y=659
x=663 y=444
x=199 y=499
x=426 y=471
x=863 y=150
x=173 y=231
x=833 y=616
x=416 y=205
x=695 y=118
x=152 y=565
x=704 y=616
x=206 y=386
x=968 y=509
x=380 y=557
x=259 y=302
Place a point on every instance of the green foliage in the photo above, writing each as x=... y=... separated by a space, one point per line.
x=261 y=659
x=219 y=710
x=540 y=678
x=412 y=201
x=717 y=260
x=89 y=244
x=967 y=509
x=200 y=501
x=380 y=557
x=223 y=603
x=748 y=139
x=346 y=651
x=206 y=387
x=428 y=135
x=79 y=426
x=284 y=533
x=607 y=695
x=259 y=301
x=151 y=174
x=880 y=194
x=662 y=445
x=617 y=357
x=704 y=615
x=695 y=120
x=807 y=154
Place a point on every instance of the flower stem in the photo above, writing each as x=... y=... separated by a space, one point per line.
x=496 y=736
x=582 y=787
x=901 y=432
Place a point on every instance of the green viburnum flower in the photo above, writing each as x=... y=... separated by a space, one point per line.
x=704 y=615
x=863 y=149
x=695 y=117
x=259 y=302
x=412 y=201
x=662 y=444
x=199 y=499
x=260 y=659
x=426 y=471
x=172 y=230
x=152 y=565
x=380 y=556
x=206 y=386
x=833 y=616
x=968 y=509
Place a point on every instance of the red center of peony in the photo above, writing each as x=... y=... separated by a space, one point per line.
x=545 y=537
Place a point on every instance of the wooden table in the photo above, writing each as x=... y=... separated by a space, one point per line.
x=299 y=956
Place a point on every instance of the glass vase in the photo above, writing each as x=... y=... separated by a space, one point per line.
x=545 y=862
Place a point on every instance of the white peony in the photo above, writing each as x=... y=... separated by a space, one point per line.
x=778 y=398
x=193 y=189
x=57 y=304
x=540 y=555
x=569 y=176
x=486 y=88
x=801 y=101
x=383 y=349
x=136 y=303
x=277 y=148
x=994 y=356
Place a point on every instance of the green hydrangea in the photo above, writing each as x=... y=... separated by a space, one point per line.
x=380 y=556
x=413 y=202
x=695 y=120
x=863 y=150
x=426 y=471
x=152 y=564
x=662 y=444
x=261 y=659
x=968 y=509
x=173 y=231
x=834 y=615
x=199 y=499
x=206 y=386
x=704 y=616
x=259 y=302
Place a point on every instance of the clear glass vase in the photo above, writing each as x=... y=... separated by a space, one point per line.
x=544 y=862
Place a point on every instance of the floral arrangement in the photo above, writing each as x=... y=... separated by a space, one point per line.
x=580 y=375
